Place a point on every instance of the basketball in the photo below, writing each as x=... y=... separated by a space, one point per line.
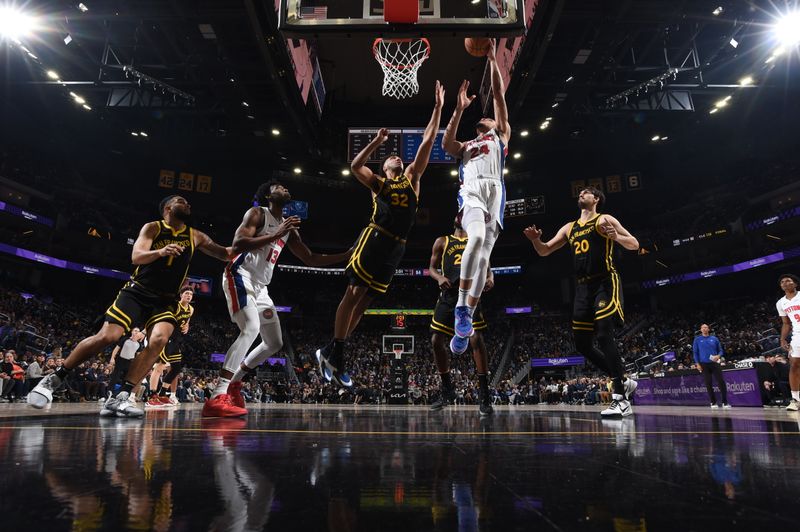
x=478 y=46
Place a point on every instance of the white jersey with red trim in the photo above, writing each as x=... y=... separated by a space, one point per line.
x=483 y=158
x=791 y=309
x=259 y=264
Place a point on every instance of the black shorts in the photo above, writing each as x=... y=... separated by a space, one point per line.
x=596 y=300
x=136 y=307
x=375 y=259
x=444 y=314
x=172 y=352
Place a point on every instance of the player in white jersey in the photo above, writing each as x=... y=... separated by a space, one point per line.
x=481 y=198
x=258 y=243
x=789 y=311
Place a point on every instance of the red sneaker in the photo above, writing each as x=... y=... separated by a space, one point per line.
x=221 y=406
x=154 y=402
x=235 y=391
x=165 y=400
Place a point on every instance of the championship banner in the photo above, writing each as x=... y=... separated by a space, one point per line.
x=690 y=390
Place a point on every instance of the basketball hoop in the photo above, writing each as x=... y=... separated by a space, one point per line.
x=398 y=352
x=400 y=60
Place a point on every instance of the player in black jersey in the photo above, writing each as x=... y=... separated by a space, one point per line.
x=598 y=291
x=162 y=254
x=445 y=269
x=382 y=243
x=171 y=355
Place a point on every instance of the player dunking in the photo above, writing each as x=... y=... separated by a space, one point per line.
x=162 y=254
x=481 y=198
x=598 y=290
x=382 y=243
x=172 y=355
x=446 y=258
x=258 y=242
x=789 y=311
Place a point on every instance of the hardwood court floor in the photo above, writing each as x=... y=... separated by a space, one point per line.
x=371 y=468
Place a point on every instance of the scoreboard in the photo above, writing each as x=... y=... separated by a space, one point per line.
x=403 y=142
x=524 y=206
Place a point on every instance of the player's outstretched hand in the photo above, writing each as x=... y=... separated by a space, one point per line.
x=532 y=233
x=288 y=224
x=382 y=135
x=439 y=95
x=490 y=55
x=489 y=284
x=170 y=250
x=464 y=100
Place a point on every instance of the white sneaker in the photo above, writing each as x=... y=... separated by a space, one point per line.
x=726 y=406
x=618 y=409
x=630 y=386
x=42 y=394
x=714 y=406
x=125 y=407
x=109 y=407
x=174 y=400
x=794 y=405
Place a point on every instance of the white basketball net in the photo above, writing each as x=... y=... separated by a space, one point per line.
x=400 y=60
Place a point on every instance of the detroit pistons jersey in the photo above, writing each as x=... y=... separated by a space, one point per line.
x=166 y=275
x=483 y=158
x=259 y=264
x=791 y=309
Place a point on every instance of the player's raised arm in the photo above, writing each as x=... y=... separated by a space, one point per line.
x=449 y=142
x=142 y=254
x=204 y=243
x=309 y=258
x=245 y=240
x=359 y=165
x=534 y=234
x=436 y=261
x=499 y=96
x=614 y=230
x=420 y=163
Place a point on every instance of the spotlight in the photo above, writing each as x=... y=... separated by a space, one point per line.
x=297 y=171
x=276 y=132
x=453 y=173
x=251 y=117
x=517 y=155
x=87 y=107
x=83 y=7
x=345 y=172
x=664 y=138
x=143 y=134
x=714 y=110
x=549 y=118
x=79 y=100
x=721 y=103
x=554 y=105
x=656 y=138
x=245 y=104
x=505 y=171
x=717 y=12
x=745 y=81
x=787 y=30
x=570 y=79
x=524 y=133
x=544 y=125
x=135 y=134
x=15 y=24
x=734 y=43
x=52 y=74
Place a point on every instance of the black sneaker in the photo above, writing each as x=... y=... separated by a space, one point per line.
x=485 y=407
x=446 y=397
x=332 y=369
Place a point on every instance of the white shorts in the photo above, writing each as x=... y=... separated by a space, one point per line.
x=795 y=352
x=240 y=292
x=488 y=195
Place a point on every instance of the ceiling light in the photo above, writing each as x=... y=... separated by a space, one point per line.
x=135 y=134
x=544 y=125
x=721 y=103
x=15 y=24
x=717 y=12
x=83 y=7
x=787 y=30
x=745 y=81
x=549 y=118
x=79 y=100
x=142 y=133
x=656 y=138
x=233 y=80
x=276 y=132
x=251 y=117
x=733 y=42
x=714 y=110
x=524 y=133
x=52 y=74
x=474 y=1
x=664 y=138
x=453 y=173
x=505 y=171
x=554 y=105
x=517 y=155
x=346 y=172
x=570 y=79
x=245 y=104
x=87 y=107
x=297 y=171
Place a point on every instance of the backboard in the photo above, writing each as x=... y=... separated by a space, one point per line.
x=490 y=18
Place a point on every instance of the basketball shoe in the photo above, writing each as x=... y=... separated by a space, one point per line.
x=154 y=402
x=630 y=386
x=42 y=394
x=222 y=406
x=235 y=391
x=618 y=408
x=485 y=400
x=331 y=366
x=794 y=405
x=447 y=396
x=463 y=322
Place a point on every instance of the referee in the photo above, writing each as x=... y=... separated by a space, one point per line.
x=708 y=351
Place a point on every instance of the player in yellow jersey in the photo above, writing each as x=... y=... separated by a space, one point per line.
x=383 y=242
x=597 y=306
